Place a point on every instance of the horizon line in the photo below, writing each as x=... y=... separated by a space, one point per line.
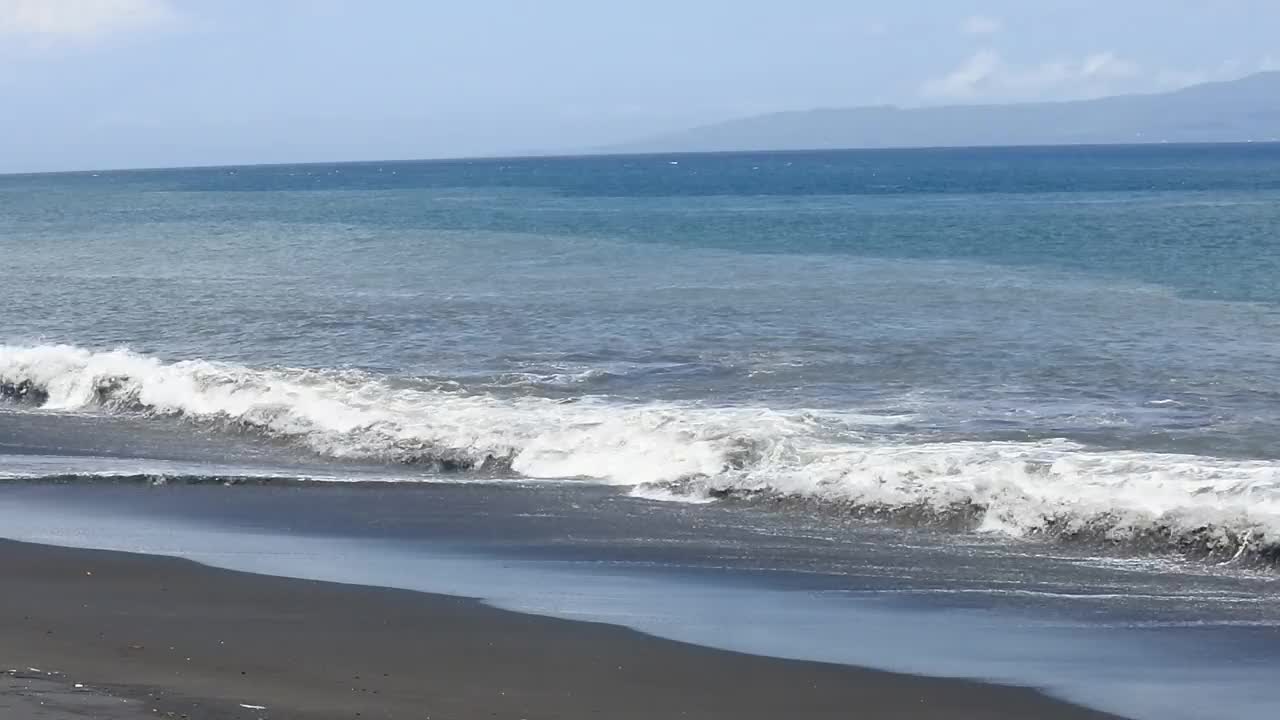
x=586 y=155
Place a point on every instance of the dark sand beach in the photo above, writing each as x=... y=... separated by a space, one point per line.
x=148 y=635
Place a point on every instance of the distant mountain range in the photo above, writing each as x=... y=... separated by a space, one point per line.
x=1237 y=111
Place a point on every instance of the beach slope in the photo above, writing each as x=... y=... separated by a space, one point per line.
x=170 y=636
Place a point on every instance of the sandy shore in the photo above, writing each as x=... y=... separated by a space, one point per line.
x=33 y=694
x=149 y=636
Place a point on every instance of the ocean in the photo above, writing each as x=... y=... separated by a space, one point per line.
x=1041 y=381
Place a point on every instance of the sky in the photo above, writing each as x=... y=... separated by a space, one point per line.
x=93 y=84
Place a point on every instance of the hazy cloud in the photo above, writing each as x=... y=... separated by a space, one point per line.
x=966 y=81
x=1172 y=79
x=1106 y=65
x=49 y=20
x=982 y=25
x=987 y=76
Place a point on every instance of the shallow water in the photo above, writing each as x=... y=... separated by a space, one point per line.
x=1145 y=639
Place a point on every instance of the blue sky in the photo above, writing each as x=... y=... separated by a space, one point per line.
x=137 y=83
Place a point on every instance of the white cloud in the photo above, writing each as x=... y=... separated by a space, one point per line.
x=1172 y=79
x=968 y=80
x=80 y=19
x=982 y=25
x=987 y=76
x=1108 y=65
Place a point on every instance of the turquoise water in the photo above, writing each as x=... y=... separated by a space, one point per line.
x=1075 y=344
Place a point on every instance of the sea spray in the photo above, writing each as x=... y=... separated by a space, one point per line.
x=1217 y=508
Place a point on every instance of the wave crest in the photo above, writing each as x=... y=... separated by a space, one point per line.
x=1207 y=507
x=354 y=415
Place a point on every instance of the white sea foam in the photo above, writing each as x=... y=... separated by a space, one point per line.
x=353 y=415
x=1218 y=507
x=662 y=493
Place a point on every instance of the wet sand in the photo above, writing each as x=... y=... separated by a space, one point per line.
x=35 y=695
x=149 y=636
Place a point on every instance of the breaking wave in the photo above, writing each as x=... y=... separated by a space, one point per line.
x=356 y=415
x=229 y=479
x=1201 y=507
x=1213 y=508
x=158 y=479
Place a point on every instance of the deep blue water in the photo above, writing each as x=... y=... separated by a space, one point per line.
x=1078 y=343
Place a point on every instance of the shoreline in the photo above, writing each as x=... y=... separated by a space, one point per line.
x=203 y=642
x=33 y=694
